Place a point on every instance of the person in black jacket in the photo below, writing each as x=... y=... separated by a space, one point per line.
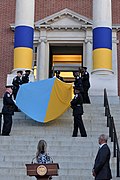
x=17 y=81
x=25 y=77
x=86 y=85
x=7 y=111
x=78 y=82
x=101 y=169
x=77 y=106
x=58 y=75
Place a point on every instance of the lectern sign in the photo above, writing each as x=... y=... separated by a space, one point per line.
x=41 y=170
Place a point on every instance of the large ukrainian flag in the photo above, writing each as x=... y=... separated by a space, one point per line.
x=44 y=100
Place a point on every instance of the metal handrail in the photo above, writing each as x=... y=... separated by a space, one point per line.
x=112 y=132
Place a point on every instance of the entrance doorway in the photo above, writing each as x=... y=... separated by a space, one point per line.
x=65 y=58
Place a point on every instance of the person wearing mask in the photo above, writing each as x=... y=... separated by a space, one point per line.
x=25 y=77
x=7 y=111
x=77 y=106
x=17 y=81
x=101 y=169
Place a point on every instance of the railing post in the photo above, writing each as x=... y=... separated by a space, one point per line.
x=104 y=97
x=114 y=147
x=106 y=110
x=112 y=130
x=112 y=133
x=108 y=120
x=118 y=164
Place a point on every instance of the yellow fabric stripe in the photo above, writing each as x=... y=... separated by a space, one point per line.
x=23 y=58
x=60 y=98
x=102 y=58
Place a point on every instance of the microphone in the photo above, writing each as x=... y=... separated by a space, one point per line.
x=33 y=159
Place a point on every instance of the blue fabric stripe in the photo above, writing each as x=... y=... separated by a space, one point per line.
x=33 y=98
x=24 y=37
x=102 y=38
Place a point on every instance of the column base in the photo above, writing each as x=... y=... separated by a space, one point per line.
x=101 y=81
x=102 y=71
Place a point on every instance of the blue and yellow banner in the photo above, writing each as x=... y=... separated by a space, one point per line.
x=44 y=100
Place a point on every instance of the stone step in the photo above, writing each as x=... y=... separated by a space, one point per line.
x=63 y=171
x=61 y=177
x=20 y=147
x=52 y=141
x=98 y=100
x=56 y=158
x=88 y=157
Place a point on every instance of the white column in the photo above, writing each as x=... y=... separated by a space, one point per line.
x=102 y=37
x=41 y=60
x=114 y=52
x=24 y=24
x=38 y=62
x=23 y=45
x=25 y=13
x=47 y=60
x=88 y=55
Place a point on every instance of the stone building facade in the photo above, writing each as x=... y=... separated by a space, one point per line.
x=59 y=25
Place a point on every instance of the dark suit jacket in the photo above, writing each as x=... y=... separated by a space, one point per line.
x=102 y=166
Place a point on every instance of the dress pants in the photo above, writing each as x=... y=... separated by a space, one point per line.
x=78 y=123
x=86 y=99
x=7 y=124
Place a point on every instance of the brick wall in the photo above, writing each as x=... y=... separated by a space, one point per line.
x=43 y=8
x=7 y=10
x=46 y=7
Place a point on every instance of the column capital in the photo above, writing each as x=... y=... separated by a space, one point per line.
x=88 y=40
x=115 y=41
x=42 y=40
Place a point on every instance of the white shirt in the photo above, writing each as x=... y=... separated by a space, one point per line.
x=101 y=145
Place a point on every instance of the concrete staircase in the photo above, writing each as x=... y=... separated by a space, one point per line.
x=75 y=156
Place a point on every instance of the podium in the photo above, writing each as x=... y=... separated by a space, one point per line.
x=42 y=171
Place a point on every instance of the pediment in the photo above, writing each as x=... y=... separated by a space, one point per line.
x=64 y=18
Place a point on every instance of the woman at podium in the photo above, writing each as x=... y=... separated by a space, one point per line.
x=41 y=154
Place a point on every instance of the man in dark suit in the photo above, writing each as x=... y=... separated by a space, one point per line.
x=101 y=169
